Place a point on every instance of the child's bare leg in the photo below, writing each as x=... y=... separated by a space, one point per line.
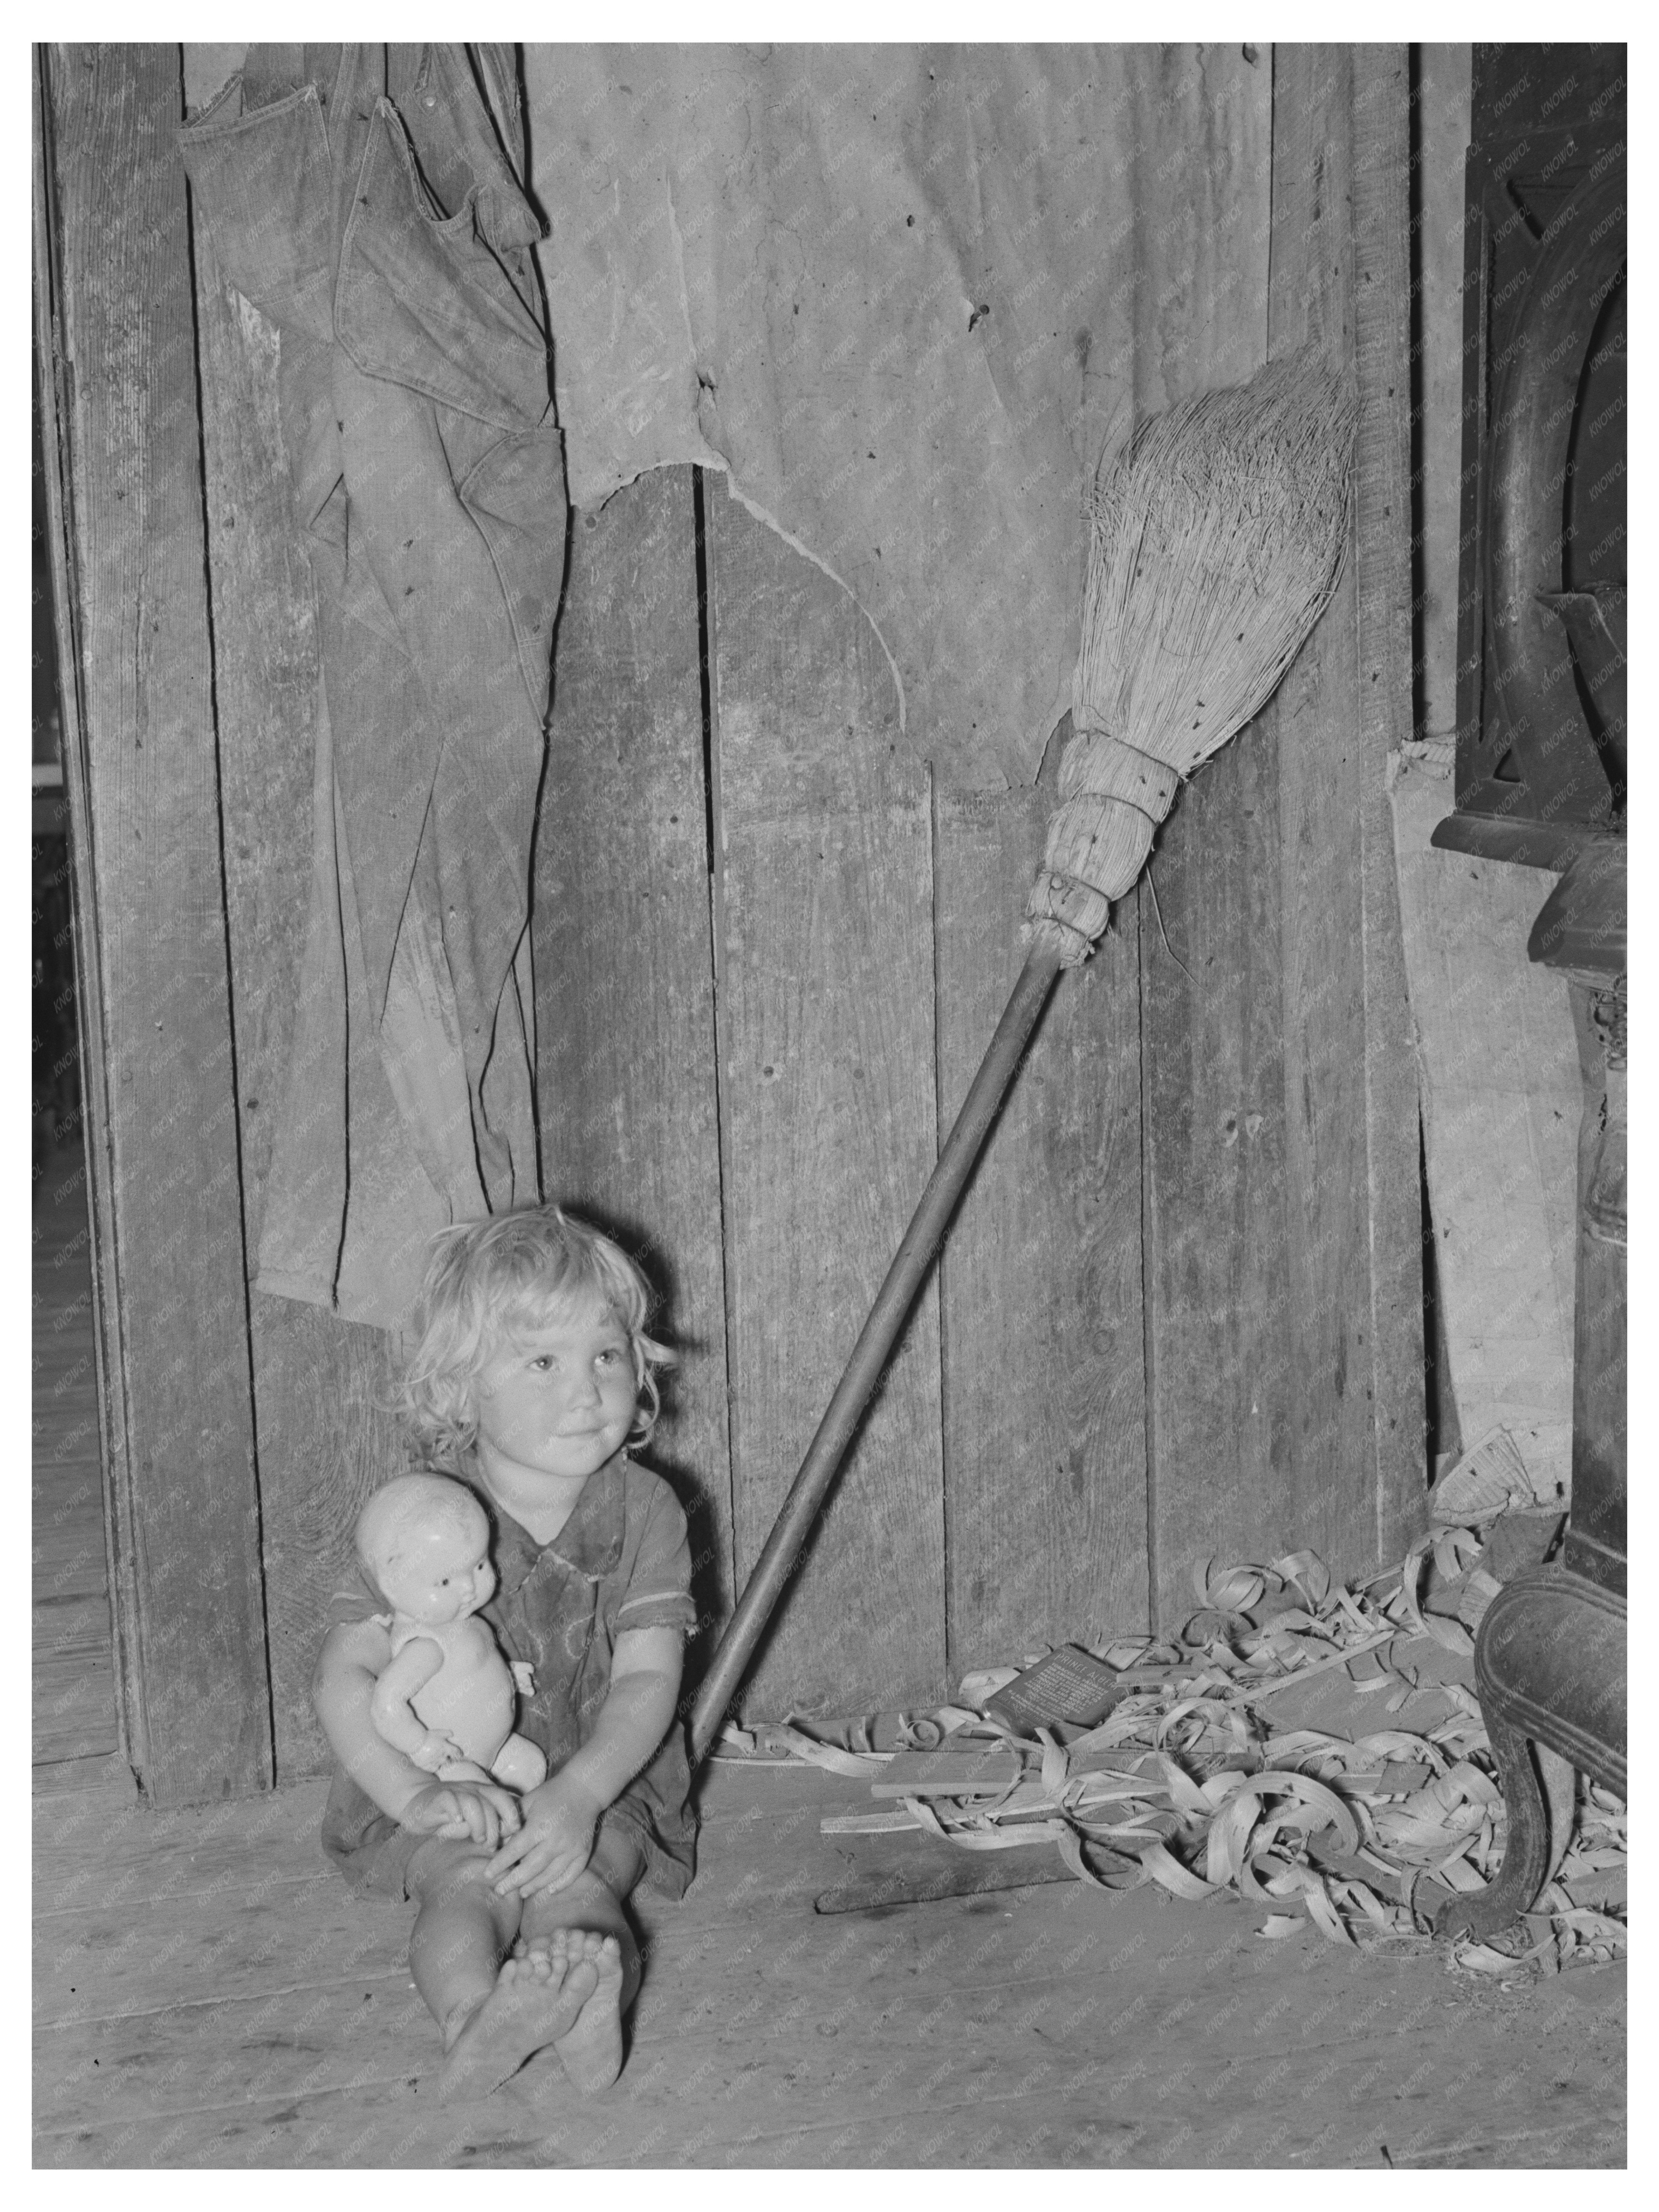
x=582 y=1934
x=495 y=2012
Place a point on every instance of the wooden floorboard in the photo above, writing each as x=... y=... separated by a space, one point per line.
x=73 y=1731
x=74 y=1622
x=209 y=1994
x=74 y=1704
x=68 y=1563
x=101 y=1777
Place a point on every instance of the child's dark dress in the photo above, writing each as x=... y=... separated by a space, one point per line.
x=620 y=1562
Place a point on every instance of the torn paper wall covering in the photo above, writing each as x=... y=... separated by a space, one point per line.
x=900 y=294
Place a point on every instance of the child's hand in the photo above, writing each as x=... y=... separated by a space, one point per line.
x=480 y=1812
x=554 y=1845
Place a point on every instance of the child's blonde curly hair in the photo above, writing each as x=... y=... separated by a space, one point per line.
x=488 y=1281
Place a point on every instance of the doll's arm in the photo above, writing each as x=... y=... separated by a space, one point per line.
x=391 y=1706
x=354 y=1655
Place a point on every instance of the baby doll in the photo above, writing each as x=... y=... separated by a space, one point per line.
x=448 y=1700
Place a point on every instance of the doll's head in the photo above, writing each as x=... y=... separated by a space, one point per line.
x=423 y=1541
x=488 y=1285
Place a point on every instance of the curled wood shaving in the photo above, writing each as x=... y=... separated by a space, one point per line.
x=1206 y=1798
x=774 y=1739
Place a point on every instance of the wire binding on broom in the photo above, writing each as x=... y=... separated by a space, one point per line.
x=1217 y=536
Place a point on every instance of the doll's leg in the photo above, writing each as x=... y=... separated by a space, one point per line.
x=495 y=2012
x=519 y=1765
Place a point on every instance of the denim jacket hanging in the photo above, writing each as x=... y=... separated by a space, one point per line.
x=367 y=201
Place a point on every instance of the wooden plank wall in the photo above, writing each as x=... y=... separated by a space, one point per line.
x=770 y=948
x=1051 y=1518
x=1283 y=1253
x=866 y=935
x=162 y=1140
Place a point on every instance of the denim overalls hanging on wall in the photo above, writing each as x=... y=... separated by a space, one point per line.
x=361 y=198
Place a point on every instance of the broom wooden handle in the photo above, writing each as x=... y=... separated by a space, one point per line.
x=870 y=1354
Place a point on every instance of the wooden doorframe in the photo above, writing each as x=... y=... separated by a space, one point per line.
x=121 y=431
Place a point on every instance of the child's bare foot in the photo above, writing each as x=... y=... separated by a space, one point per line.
x=531 y=2005
x=592 y=2051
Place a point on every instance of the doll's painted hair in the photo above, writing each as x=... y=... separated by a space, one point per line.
x=490 y=1282
x=399 y=1510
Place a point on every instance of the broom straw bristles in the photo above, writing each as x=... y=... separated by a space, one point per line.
x=1217 y=536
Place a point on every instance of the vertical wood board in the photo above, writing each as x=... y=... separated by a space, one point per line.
x=189 y=1591
x=105 y=1436
x=72 y=1709
x=1217 y=1360
x=624 y=964
x=327 y=1439
x=1341 y=279
x=321 y=1385
x=1384 y=595
x=267 y=670
x=1041 y=1318
x=1441 y=131
x=1219 y=1386
x=824 y=953
x=1313 y=725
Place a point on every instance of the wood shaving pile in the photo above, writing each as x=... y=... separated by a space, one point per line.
x=1187 y=1784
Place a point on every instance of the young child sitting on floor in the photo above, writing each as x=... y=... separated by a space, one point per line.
x=531 y=1372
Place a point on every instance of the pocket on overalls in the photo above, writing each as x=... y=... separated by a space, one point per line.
x=458 y=140
x=423 y=301
x=263 y=184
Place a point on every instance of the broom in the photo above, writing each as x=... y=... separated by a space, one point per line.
x=1217 y=537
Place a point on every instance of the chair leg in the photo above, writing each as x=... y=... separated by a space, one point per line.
x=1534 y=1845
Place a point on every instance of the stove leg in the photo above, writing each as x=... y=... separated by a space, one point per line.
x=1539 y=1814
